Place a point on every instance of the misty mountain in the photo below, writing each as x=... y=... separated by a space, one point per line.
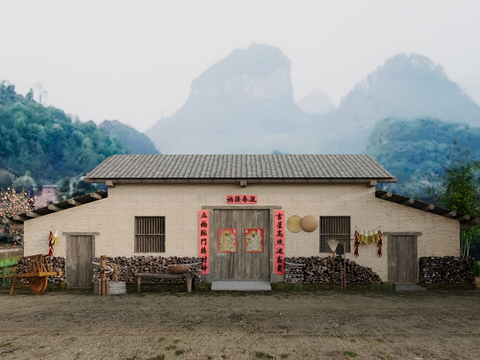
x=315 y=102
x=406 y=86
x=242 y=104
x=133 y=141
x=417 y=151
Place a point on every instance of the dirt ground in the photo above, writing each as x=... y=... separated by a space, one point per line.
x=220 y=325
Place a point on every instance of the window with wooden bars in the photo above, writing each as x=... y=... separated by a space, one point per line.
x=335 y=227
x=149 y=234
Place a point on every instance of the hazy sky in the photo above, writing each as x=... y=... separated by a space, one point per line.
x=133 y=61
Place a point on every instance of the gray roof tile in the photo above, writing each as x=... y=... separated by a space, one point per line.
x=239 y=167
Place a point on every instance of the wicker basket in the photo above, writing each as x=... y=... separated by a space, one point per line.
x=178 y=269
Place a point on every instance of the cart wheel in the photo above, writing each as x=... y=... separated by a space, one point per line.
x=38 y=285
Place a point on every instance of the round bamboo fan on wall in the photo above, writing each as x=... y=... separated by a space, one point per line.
x=293 y=224
x=309 y=223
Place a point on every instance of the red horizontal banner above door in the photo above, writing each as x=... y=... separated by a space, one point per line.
x=242 y=199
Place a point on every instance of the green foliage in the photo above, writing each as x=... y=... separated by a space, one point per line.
x=8 y=261
x=351 y=354
x=476 y=269
x=415 y=151
x=459 y=190
x=47 y=142
x=262 y=355
x=6 y=272
x=461 y=184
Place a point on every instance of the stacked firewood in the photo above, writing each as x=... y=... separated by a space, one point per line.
x=318 y=270
x=128 y=266
x=294 y=270
x=446 y=270
x=58 y=264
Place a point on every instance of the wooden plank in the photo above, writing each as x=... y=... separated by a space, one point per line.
x=31 y=214
x=450 y=214
x=96 y=196
x=386 y=195
x=54 y=208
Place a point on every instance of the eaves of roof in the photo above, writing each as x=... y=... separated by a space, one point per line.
x=18 y=220
x=466 y=220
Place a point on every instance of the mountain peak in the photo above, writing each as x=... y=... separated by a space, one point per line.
x=259 y=71
x=402 y=62
x=315 y=102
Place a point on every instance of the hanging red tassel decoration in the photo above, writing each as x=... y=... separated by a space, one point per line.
x=50 y=243
x=356 y=244
x=379 y=251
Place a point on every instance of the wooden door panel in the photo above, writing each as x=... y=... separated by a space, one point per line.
x=79 y=268
x=402 y=259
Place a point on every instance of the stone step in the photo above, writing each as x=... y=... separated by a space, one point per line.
x=400 y=287
x=241 y=285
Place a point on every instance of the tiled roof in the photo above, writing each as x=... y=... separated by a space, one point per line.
x=239 y=167
x=466 y=220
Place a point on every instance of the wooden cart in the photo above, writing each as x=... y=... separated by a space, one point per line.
x=39 y=268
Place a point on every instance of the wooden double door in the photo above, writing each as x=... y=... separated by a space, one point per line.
x=249 y=258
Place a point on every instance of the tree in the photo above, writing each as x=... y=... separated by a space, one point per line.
x=13 y=203
x=461 y=191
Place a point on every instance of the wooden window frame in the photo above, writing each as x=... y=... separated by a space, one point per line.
x=323 y=246
x=150 y=248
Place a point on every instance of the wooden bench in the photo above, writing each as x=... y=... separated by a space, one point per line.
x=39 y=268
x=187 y=276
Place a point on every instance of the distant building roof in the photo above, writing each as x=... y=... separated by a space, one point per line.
x=282 y=168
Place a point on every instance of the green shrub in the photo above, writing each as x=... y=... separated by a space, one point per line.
x=476 y=268
x=6 y=271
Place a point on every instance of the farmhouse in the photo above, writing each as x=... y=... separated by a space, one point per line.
x=242 y=215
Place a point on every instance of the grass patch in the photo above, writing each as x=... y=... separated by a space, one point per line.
x=381 y=340
x=286 y=287
x=5 y=345
x=8 y=261
x=162 y=339
x=170 y=347
x=430 y=287
x=262 y=355
x=158 y=357
x=284 y=356
x=176 y=341
x=179 y=352
x=6 y=271
x=386 y=286
x=353 y=340
x=386 y=356
x=351 y=354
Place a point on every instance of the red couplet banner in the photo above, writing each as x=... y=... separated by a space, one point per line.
x=279 y=242
x=204 y=240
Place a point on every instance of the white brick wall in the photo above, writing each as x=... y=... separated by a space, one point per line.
x=113 y=219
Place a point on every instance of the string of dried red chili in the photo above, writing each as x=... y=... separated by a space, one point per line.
x=357 y=243
x=379 y=251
